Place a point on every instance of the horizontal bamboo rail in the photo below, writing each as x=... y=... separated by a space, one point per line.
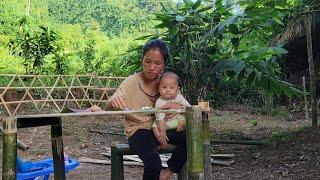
x=100 y=113
x=57 y=100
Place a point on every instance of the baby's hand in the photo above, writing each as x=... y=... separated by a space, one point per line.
x=162 y=138
x=181 y=126
x=162 y=145
x=172 y=105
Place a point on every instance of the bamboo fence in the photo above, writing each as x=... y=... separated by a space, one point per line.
x=36 y=94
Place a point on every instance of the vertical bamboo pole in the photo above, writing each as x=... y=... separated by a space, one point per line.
x=205 y=107
x=94 y=90
x=305 y=97
x=194 y=143
x=20 y=144
x=9 y=155
x=206 y=146
x=307 y=24
x=57 y=151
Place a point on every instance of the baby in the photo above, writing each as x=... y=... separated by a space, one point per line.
x=169 y=93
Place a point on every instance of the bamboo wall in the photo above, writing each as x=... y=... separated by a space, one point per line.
x=38 y=94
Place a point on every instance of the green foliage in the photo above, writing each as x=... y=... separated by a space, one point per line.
x=209 y=39
x=220 y=50
x=88 y=57
x=112 y=25
x=61 y=63
x=231 y=92
x=112 y=16
x=126 y=65
x=254 y=122
x=33 y=46
x=8 y=63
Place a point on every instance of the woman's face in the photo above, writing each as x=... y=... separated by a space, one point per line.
x=153 y=64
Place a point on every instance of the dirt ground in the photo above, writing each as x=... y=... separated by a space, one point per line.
x=294 y=154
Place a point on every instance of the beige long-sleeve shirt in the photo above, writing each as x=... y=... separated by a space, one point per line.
x=132 y=90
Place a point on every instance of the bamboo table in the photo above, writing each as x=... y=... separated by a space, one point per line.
x=11 y=124
x=10 y=143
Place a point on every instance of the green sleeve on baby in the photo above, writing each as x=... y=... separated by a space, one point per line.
x=173 y=123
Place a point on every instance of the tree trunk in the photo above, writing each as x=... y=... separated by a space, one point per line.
x=307 y=23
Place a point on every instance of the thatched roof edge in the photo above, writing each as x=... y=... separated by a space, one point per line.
x=295 y=29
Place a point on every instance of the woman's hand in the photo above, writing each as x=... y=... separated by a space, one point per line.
x=172 y=105
x=181 y=126
x=95 y=108
x=119 y=102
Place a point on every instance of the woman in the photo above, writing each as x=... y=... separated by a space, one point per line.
x=140 y=90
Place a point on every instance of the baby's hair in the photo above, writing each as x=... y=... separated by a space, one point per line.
x=170 y=74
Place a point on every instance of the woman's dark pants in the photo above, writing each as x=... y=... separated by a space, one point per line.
x=144 y=144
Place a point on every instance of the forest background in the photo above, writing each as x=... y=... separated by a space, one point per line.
x=224 y=51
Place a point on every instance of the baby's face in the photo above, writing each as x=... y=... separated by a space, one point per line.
x=168 y=88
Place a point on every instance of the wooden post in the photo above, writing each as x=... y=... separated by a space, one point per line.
x=205 y=107
x=57 y=151
x=116 y=164
x=194 y=143
x=9 y=158
x=307 y=24
x=206 y=146
x=305 y=97
x=20 y=144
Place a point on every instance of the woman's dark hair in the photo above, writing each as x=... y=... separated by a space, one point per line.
x=157 y=44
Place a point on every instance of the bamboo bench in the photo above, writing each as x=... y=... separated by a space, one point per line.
x=117 y=152
x=198 y=145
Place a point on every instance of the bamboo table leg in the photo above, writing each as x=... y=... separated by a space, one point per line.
x=116 y=164
x=194 y=143
x=206 y=146
x=57 y=151
x=9 y=163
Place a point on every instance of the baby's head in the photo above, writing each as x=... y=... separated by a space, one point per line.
x=169 y=85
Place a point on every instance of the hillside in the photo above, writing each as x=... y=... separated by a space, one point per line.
x=90 y=35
